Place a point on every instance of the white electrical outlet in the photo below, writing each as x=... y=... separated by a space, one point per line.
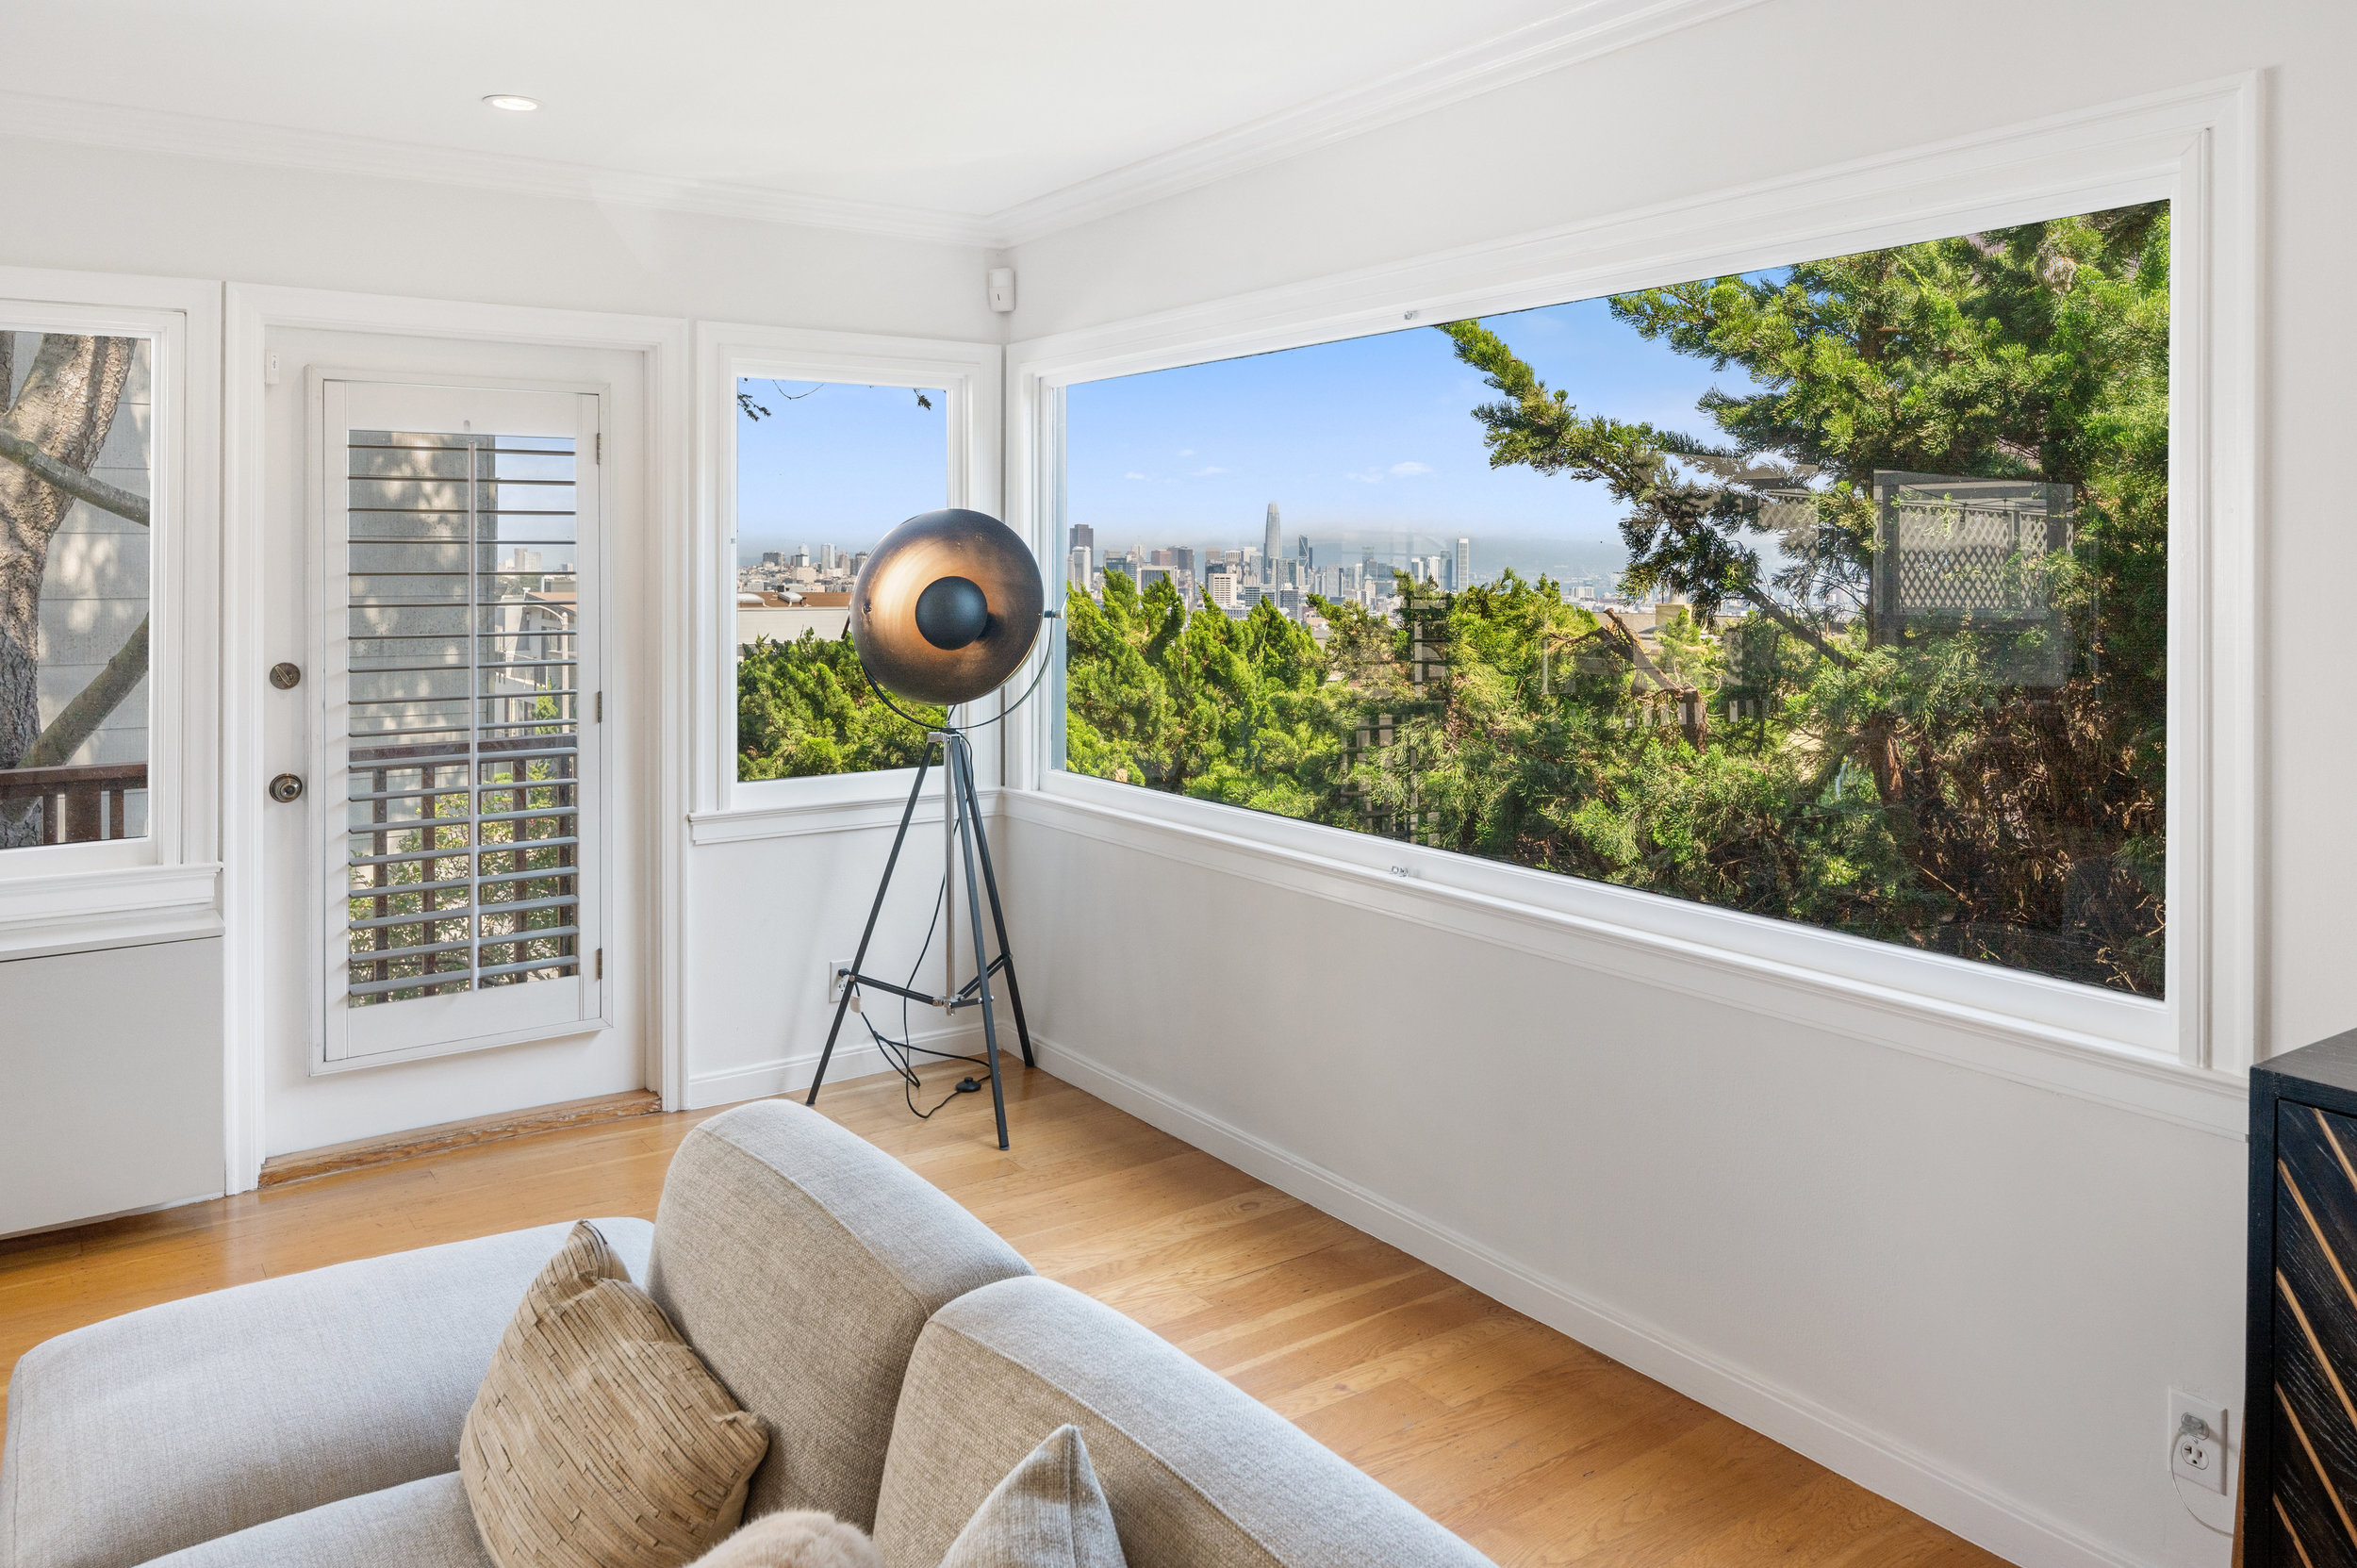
x=2197 y=1441
x=838 y=970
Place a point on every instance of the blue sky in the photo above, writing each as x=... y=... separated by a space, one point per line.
x=1369 y=443
x=841 y=463
x=1365 y=444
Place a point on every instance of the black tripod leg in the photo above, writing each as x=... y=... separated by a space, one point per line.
x=968 y=823
x=859 y=960
x=999 y=919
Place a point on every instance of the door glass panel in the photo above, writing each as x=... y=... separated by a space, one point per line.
x=463 y=811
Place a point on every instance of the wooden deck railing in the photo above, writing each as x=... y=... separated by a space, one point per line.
x=76 y=804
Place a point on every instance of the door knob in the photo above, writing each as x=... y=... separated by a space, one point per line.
x=286 y=788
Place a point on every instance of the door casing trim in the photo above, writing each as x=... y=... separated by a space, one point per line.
x=663 y=345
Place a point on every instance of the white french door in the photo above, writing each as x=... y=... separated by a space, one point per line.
x=456 y=813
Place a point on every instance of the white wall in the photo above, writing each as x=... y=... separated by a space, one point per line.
x=106 y=210
x=111 y=1063
x=1969 y=1292
x=768 y=917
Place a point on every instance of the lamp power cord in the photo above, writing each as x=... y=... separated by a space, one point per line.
x=900 y=1054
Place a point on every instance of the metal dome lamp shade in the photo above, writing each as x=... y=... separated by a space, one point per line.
x=947 y=608
x=946 y=611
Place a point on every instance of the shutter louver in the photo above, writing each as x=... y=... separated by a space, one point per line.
x=464 y=808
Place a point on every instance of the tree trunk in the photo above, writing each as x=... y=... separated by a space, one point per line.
x=65 y=408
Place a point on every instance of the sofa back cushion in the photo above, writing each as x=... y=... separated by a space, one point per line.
x=801 y=1263
x=1199 y=1474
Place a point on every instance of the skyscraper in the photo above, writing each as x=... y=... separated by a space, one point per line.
x=1462 y=578
x=1271 y=545
x=1084 y=538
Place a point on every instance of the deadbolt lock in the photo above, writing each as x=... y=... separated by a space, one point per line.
x=286 y=789
x=285 y=676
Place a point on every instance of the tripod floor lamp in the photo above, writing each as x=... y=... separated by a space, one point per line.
x=944 y=611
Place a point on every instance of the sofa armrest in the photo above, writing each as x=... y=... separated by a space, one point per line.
x=187 y=1421
x=1198 y=1473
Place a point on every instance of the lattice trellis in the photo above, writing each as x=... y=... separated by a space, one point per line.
x=1426 y=613
x=1368 y=747
x=1974 y=556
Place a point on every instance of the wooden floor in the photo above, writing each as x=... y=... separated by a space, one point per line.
x=1533 y=1447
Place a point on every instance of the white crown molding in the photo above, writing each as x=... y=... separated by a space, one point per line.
x=1581 y=33
x=138 y=130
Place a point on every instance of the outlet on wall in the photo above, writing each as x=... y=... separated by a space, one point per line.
x=838 y=970
x=2197 y=1441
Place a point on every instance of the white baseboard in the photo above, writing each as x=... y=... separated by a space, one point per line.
x=2011 y=1528
x=786 y=1074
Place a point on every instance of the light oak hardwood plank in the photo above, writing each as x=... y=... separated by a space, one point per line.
x=1534 y=1448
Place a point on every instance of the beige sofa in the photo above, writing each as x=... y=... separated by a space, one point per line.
x=904 y=1357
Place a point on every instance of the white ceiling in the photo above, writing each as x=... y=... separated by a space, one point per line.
x=947 y=115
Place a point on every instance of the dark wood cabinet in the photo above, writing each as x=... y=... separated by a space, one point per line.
x=2299 y=1423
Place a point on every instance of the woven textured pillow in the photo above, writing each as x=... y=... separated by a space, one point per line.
x=1050 y=1513
x=598 y=1439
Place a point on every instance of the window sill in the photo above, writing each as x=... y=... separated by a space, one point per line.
x=122 y=906
x=1947 y=1009
x=791 y=808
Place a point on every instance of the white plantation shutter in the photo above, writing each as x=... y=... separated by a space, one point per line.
x=460 y=753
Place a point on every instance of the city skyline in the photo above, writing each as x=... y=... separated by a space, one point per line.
x=1369 y=444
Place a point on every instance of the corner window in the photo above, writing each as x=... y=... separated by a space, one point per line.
x=824 y=469
x=1834 y=593
x=77 y=459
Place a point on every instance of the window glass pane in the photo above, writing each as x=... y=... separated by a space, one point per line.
x=1833 y=593
x=824 y=469
x=75 y=454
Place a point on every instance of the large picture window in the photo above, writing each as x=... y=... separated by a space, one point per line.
x=824 y=469
x=1833 y=592
x=76 y=455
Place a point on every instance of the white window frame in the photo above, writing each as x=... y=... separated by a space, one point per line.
x=971 y=376
x=2180 y=1058
x=164 y=886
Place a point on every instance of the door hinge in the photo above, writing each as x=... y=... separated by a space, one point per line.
x=599 y=449
x=601 y=963
x=601 y=707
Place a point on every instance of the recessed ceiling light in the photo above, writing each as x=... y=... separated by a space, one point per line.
x=514 y=102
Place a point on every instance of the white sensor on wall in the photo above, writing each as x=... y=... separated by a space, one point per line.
x=1002 y=289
